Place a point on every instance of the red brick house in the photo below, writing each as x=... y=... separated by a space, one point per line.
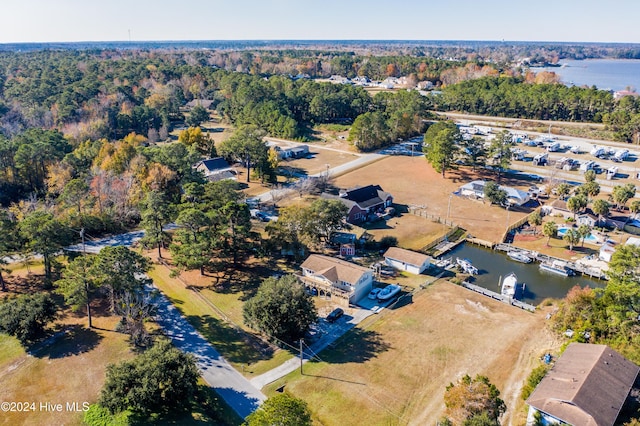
x=364 y=203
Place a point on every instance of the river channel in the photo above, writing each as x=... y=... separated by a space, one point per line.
x=539 y=285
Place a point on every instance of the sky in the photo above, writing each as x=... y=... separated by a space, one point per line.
x=146 y=20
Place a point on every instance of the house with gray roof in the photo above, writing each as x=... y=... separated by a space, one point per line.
x=587 y=386
x=364 y=203
x=215 y=169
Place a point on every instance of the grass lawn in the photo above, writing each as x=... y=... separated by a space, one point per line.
x=393 y=368
x=71 y=369
x=413 y=182
x=246 y=353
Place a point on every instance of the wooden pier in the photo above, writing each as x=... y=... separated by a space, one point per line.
x=539 y=257
x=497 y=296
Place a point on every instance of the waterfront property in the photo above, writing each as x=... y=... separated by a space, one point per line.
x=588 y=385
x=407 y=260
x=344 y=282
x=475 y=189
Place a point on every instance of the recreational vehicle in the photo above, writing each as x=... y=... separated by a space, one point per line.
x=598 y=151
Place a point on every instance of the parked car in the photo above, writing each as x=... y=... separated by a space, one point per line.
x=335 y=314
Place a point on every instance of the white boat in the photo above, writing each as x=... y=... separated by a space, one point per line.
x=509 y=285
x=389 y=291
x=519 y=256
x=467 y=266
x=557 y=267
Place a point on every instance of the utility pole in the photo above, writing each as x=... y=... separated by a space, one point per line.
x=84 y=249
x=301 y=373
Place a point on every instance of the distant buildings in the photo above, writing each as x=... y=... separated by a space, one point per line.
x=215 y=169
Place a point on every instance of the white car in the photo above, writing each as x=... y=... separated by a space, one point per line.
x=373 y=294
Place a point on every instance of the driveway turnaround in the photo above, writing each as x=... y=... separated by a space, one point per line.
x=237 y=391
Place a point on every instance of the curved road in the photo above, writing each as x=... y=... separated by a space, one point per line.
x=232 y=386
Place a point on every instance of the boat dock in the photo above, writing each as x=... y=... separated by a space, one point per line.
x=583 y=269
x=500 y=297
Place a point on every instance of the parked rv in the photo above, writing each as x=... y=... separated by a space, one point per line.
x=587 y=165
x=553 y=147
x=611 y=172
x=620 y=155
x=541 y=159
x=598 y=151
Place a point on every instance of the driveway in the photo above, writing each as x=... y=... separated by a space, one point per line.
x=237 y=391
x=324 y=334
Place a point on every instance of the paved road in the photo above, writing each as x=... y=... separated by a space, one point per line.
x=361 y=161
x=328 y=333
x=237 y=391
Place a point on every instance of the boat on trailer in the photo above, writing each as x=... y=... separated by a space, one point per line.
x=389 y=291
x=467 y=266
x=519 y=256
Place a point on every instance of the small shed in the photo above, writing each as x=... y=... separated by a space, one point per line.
x=407 y=260
x=347 y=250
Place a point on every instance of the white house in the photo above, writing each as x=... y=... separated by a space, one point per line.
x=407 y=260
x=475 y=189
x=343 y=281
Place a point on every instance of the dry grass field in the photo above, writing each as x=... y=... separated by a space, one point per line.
x=394 y=367
x=70 y=369
x=413 y=182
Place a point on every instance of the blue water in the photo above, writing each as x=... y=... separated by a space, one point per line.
x=612 y=74
x=495 y=265
x=589 y=238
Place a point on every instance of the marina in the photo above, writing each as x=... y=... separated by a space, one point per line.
x=493 y=264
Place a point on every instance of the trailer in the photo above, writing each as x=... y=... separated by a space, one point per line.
x=541 y=159
x=611 y=172
x=587 y=165
x=620 y=155
x=553 y=147
x=598 y=151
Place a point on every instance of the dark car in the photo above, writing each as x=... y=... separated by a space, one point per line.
x=335 y=314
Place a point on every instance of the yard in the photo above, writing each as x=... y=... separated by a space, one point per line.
x=393 y=368
x=414 y=184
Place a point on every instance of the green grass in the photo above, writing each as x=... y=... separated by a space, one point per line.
x=246 y=353
x=10 y=349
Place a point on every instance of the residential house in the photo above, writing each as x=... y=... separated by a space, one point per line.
x=343 y=281
x=587 y=386
x=215 y=169
x=205 y=103
x=475 y=189
x=587 y=218
x=295 y=151
x=407 y=260
x=364 y=203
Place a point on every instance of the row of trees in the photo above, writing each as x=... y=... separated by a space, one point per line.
x=610 y=314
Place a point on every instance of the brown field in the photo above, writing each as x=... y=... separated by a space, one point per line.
x=393 y=368
x=413 y=182
x=72 y=369
x=413 y=232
